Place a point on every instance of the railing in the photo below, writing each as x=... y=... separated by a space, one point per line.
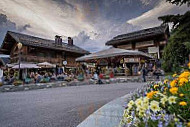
x=38 y=59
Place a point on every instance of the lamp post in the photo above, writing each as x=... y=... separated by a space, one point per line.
x=19 y=45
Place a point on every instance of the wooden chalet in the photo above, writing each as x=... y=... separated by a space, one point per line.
x=150 y=40
x=37 y=50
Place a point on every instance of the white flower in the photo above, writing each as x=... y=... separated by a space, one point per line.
x=140 y=108
x=172 y=100
x=161 y=94
x=154 y=106
x=141 y=114
x=163 y=100
x=139 y=102
x=130 y=104
x=146 y=100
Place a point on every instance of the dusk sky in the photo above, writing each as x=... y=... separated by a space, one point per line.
x=90 y=22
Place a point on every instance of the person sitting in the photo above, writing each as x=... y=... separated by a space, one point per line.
x=95 y=76
x=53 y=77
x=38 y=77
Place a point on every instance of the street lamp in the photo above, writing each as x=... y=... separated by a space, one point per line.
x=19 y=45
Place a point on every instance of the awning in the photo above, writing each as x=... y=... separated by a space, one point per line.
x=25 y=66
x=46 y=65
x=112 y=52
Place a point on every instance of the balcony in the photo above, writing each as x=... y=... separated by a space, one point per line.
x=37 y=59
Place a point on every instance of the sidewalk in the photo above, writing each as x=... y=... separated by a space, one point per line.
x=109 y=115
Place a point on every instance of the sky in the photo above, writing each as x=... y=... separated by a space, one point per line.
x=91 y=23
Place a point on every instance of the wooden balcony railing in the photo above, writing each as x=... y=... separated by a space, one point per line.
x=37 y=59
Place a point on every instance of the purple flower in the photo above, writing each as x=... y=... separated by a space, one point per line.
x=160 y=124
x=179 y=124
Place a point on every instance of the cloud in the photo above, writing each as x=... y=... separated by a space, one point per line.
x=150 y=18
x=5 y=25
x=96 y=41
x=90 y=22
x=24 y=28
x=97 y=19
x=45 y=17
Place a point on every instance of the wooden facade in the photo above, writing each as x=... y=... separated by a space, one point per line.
x=150 y=40
x=37 y=50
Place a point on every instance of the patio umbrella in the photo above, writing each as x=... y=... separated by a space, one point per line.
x=25 y=66
x=46 y=65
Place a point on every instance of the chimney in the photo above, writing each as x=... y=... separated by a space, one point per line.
x=58 y=40
x=70 y=41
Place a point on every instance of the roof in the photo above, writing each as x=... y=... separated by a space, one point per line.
x=5 y=60
x=44 y=43
x=139 y=34
x=112 y=52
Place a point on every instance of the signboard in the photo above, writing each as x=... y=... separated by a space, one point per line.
x=102 y=62
x=131 y=60
x=144 y=43
x=64 y=62
x=153 y=49
x=127 y=46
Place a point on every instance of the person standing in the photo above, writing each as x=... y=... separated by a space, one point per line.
x=1 y=76
x=144 y=73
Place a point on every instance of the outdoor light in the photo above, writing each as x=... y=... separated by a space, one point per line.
x=19 y=45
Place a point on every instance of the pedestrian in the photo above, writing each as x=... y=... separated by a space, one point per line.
x=144 y=73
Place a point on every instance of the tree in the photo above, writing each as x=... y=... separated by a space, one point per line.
x=178 y=48
x=179 y=2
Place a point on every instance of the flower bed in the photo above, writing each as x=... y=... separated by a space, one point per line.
x=160 y=104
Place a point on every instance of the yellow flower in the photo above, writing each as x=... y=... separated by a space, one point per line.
x=183 y=103
x=150 y=94
x=182 y=81
x=188 y=124
x=166 y=81
x=155 y=86
x=173 y=90
x=185 y=74
x=172 y=100
x=181 y=95
x=173 y=83
x=154 y=106
x=174 y=75
x=188 y=64
x=176 y=119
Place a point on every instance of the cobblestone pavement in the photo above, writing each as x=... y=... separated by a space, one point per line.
x=57 y=107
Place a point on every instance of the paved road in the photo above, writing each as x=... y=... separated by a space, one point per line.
x=57 y=107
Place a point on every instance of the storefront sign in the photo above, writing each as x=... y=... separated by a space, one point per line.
x=153 y=49
x=127 y=46
x=144 y=43
x=131 y=60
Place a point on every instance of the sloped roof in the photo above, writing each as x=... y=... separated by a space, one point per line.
x=139 y=34
x=112 y=52
x=44 y=43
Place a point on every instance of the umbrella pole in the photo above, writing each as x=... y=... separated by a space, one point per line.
x=19 y=66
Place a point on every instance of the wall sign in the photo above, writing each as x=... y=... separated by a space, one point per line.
x=144 y=43
x=153 y=49
x=64 y=62
x=127 y=46
x=131 y=60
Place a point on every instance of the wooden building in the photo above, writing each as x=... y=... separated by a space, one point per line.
x=150 y=40
x=37 y=50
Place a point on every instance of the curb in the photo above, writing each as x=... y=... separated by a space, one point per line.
x=109 y=115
